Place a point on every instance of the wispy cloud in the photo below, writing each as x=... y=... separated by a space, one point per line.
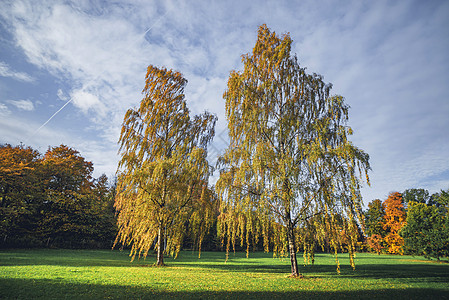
x=103 y=57
x=388 y=59
x=61 y=95
x=22 y=104
x=4 y=110
x=6 y=71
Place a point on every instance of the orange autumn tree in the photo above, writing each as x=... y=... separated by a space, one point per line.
x=394 y=220
x=20 y=192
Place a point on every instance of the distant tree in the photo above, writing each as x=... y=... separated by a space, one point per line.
x=21 y=193
x=443 y=198
x=68 y=181
x=375 y=218
x=427 y=231
x=71 y=209
x=52 y=200
x=104 y=222
x=395 y=217
x=415 y=195
x=163 y=171
x=440 y=199
x=289 y=159
x=375 y=243
x=374 y=225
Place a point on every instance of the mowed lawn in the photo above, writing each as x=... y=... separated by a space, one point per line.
x=85 y=274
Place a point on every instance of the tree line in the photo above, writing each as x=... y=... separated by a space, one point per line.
x=413 y=222
x=52 y=200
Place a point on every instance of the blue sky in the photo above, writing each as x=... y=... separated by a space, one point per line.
x=389 y=59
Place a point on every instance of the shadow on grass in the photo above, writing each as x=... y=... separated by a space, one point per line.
x=258 y=262
x=52 y=289
x=390 y=269
x=379 y=271
x=63 y=257
x=418 y=272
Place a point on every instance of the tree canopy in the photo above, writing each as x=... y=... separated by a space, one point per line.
x=52 y=200
x=374 y=222
x=427 y=230
x=374 y=218
x=163 y=170
x=290 y=163
x=20 y=191
x=415 y=195
x=395 y=216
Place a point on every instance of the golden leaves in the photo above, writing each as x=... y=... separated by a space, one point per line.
x=289 y=151
x=163 y=169
x=394 y=219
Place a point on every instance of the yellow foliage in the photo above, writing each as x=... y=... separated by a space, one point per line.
x=290 y=173
x=163 y=171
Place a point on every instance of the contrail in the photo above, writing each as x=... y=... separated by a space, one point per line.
x=65 y=104
x=154 y=24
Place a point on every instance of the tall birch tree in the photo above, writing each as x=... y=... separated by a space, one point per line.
x=289 y=164
x=163 y=171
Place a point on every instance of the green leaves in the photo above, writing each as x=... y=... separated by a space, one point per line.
x=426 y=231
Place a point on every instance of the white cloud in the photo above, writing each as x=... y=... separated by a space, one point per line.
x=15 y=130
x=388 y=60
x=97 y=53
x=6 y=71
x=85 y=100
x=22 y=104
x=61 y=95
x=4 y=110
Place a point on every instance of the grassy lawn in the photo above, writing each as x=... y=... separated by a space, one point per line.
x=84 y=274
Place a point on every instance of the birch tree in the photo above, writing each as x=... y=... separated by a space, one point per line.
x=290 y=163
x=163 y=171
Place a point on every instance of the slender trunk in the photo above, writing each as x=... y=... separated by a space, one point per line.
x=292 y=250
x=160 y=234
x=160 y=247
x=290 y=233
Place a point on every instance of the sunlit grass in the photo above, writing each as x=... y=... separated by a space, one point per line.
x=69 y=274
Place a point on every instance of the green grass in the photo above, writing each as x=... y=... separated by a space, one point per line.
x=83 y=274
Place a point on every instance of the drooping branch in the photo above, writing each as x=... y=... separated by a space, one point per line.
x=163 y=160
x=289 y=158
